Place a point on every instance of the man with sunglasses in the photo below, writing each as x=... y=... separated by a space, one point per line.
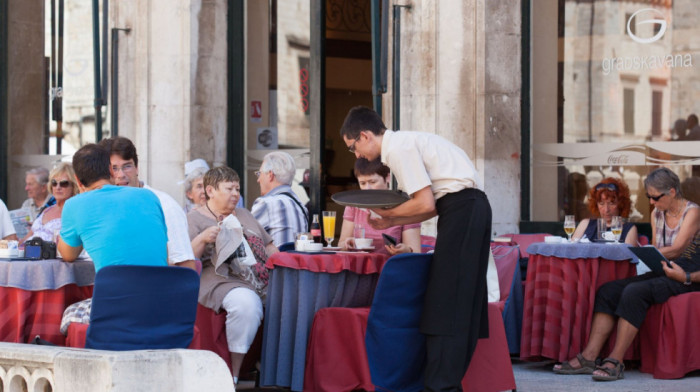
x=441 y=180
x=125 y=171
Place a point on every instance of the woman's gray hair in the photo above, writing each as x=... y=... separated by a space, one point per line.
x=192 y=177
x=663 y=180
x=281 y=164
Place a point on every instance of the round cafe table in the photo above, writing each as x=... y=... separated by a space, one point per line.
x=34 y=294
x=560 y=289
x=300 y=284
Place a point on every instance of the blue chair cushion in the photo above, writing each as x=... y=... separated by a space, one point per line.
x=143 y=307
x=395 y=346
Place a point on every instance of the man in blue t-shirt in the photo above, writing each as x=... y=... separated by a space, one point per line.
x=115 y=225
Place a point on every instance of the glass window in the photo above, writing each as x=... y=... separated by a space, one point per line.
x=613 y=95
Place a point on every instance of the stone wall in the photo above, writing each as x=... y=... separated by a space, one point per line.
x=172 y=85
x=25 y=367
x=26 y=93
x=460 y=78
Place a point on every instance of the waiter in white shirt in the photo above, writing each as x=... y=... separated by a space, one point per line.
x=441 y=180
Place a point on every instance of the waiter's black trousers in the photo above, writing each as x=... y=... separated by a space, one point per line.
x=455 y=312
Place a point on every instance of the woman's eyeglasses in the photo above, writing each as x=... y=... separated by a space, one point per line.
x=657 y=197
x=61 y=184
x=610 y=187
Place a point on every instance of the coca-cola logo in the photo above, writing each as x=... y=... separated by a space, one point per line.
x=621 y=159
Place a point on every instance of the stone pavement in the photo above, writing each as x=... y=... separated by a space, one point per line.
x=538 y=376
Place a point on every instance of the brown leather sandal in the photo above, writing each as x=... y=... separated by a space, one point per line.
x=612 y=374
x=587 y=367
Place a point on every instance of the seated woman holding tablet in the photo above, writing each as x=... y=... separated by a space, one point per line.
x=627 y=300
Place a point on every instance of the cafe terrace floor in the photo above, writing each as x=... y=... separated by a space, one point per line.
x=538 y=377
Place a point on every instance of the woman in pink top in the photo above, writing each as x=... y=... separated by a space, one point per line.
x=374 y=175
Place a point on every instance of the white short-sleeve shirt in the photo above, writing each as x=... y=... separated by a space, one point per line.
x=6 y=226
x=179 y=245
x=420 y=159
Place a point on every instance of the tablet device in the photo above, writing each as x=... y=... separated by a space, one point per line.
x=650 y=256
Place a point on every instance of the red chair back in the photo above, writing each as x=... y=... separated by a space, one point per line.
x=525 y=240
x=507 y=259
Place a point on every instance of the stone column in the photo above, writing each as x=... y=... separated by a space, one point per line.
x=172 y=85
x=26 y=94
x=460 y=78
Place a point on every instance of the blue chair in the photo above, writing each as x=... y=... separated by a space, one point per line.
x=143 y=307
x=286 y=246
x=507 y=259
x=395 y=347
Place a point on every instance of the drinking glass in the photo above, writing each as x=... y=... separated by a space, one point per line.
x=329 y=226
x=359 y=231
x=616 y=227
x=569 y=225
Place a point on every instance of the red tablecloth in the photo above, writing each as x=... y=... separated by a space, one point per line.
x=559 y=300
x=337 y=358
x=25 y=314
x=302 y=285
x=671 y=337
x=357 y=262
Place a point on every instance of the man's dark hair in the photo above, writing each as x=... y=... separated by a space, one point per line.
x=121 y=146
x=364 y=167
x=91 y=164
x=361 y=118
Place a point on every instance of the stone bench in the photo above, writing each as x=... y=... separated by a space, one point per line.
x=27 y=367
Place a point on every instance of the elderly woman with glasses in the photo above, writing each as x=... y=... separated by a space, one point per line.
x=239 y=292
x=62 y=186
x=611 y=197
x=625 y=302
x=675 y=220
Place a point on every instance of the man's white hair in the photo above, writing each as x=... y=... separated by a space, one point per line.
x=281 y=164
x=41 y=174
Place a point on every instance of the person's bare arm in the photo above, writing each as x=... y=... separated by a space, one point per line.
x=410 y=242
x=690 y=226
x=632 y=238
x=68 y=253
x=11 y=237
x=187 y=264
x=271 y=249
x=346 y=232
x=204 y=238
x=420 y=207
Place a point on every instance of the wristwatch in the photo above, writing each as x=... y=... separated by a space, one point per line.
x=687 y=279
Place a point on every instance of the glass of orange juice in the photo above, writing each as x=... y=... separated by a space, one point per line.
x=329 y=226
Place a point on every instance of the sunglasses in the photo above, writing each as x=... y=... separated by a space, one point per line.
x=656 y=198
x=610 y=187
x=61 y=184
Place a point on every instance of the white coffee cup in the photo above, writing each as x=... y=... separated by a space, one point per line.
x=300 y=245
x=313 y=247
x=363 y=243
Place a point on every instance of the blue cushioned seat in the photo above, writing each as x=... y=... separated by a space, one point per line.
x=395 y=347
x=143 y=307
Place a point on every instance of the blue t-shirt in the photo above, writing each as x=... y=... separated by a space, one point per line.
x=117 y=225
